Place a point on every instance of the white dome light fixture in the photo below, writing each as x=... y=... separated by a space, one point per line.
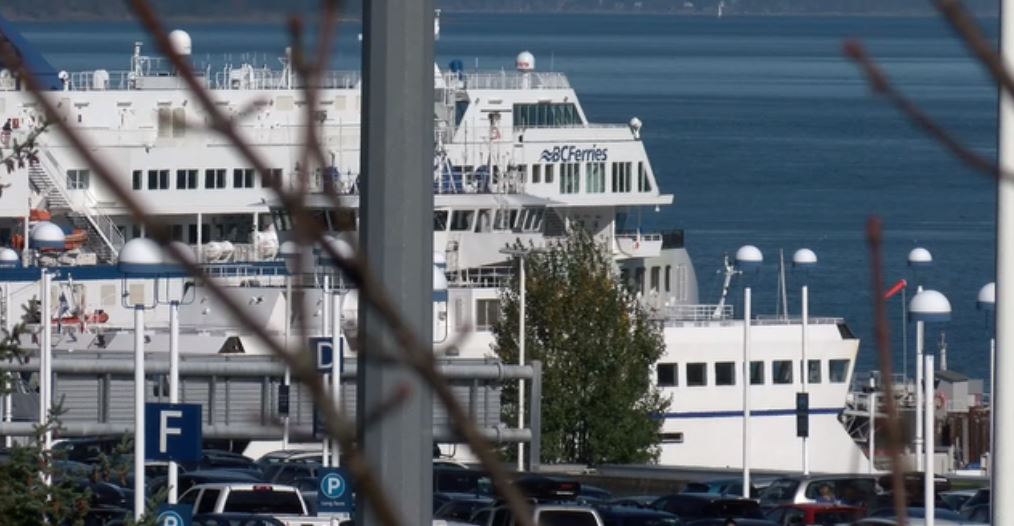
x=749 y=257
x=141 y=256
x=181 y=42
x=986 y=299
x=525 y=62
x=47 y=236
x=9 y=258
x=804 y=258
x=929 y=305
x=920 y=257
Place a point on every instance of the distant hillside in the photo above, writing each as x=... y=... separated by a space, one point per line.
x=273 y=9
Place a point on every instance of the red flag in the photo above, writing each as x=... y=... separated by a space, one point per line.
x=901 y=284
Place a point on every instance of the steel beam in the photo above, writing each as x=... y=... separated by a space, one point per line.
x=397 y=241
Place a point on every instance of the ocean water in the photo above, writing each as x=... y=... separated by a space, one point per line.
x=761 y=128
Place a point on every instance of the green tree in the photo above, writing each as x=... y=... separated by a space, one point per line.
x=597 y=345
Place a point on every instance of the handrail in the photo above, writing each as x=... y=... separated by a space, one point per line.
x=102 y=224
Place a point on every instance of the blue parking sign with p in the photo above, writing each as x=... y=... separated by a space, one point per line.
x=334 y=491
x=173 y=515
x=172 y=432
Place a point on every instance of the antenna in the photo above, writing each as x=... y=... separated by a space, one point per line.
x=783 y=295
x=729 y=270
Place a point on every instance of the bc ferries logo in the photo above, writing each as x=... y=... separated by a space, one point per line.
x=564 y=154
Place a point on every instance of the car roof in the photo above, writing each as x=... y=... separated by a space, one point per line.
x=245 y=486
x=820 y=506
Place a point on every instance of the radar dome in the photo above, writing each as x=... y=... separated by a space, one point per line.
x=525 y=61
x=46 y=235
x=8 y=258
x=181 y=42
x=749 y=256
x=140 y=255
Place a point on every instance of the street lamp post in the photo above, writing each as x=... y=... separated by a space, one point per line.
x=928 y=306
x=8 y=259
x=747 y=257
x=919 y=258
x=46 y=236
x=337 y=297
x=805 y=258
x=139 y=258
x=521 y=253
x=986 y=301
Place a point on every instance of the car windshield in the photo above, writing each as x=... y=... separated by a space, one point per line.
x=460 y=481
x=567 y=518
x=779 y=491
x=836 y=516
x=261 y=501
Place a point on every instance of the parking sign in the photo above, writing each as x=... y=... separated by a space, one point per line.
x=172 y=432
x=324 y=352
x=173 y=515
x=334 y=491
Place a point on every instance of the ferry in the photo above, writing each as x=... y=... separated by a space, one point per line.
x=516 y=159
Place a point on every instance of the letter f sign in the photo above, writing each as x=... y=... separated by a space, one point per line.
x=165 y=430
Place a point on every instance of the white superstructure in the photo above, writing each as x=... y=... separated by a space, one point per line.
x=516 y=159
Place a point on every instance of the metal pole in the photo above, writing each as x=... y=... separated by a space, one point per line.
x=806 y=371
x=929 y=485
x=174 y=385
x=746 y=390
x=8 y=383
x=904 y=333
x=521 y=360
x=287 y=380
x=873 y=432
x=397 y=160
x=992 y=403
x=325 y=319
x=919 y=386
x=138 y=411
x=535 y=447
x=1002 y=510
x=46 y=365
x=336 y=376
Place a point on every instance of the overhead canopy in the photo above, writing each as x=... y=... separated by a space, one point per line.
x=34 y=62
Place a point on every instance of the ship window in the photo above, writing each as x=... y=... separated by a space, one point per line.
x=757 y=373
x=533 y=220
x=621 y=177
x=439 y=220
x=550 y=168
x=281 y=219
x=461 y=220
x=655 y=276
x=514 y=218
x=460 y=107
x=272 y=178
x=501 y=221
x=165 y=123
x=672 y=438
x=179 y=122
x=697 y=374
x=186 y=179
x=781 y=371
x=536 y=173
x=570 y=178
x=138 y=180
x=214 y=178
x=177 y=234
x=487 y=312
x=595 y=178
x=725 y=373
x=158 y=179
x=482 y=224
x=545 y=114
x=837 y=371
x=643 y=184
x=243 y=178
x=639 y=279
x=78 y=179
x=667 y=375
x=813 y=375
x=522 y=171
x=668 y=278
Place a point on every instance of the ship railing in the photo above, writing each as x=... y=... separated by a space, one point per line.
x=675 y=314
x=229 y=79
x=481 y=277
x=507 y=80
x=795 y=320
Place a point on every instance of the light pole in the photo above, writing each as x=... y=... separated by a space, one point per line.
x=747 y=257
x=46 y=236
x=521 y=253
x=8 y=259
x=174 y=302
x=288 y=251
x=927 y=306
x=139 y=258
x=918 y=258
x=986 y=301
x=805 y=258
x=345 y=251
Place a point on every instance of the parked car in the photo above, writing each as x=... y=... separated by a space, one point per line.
x=593 y=495
x=464 y=481
x=941 y=516
x=637 y=501
x=814 y=514
x=290 y=456
x=850 y=490
x=548 y=515
x=234 y=519
x=269 y=499
x=730 y=487
x=460 y=507
x=193 y=478
x=634 y=516
x=691 y=507
x=955 y=499
x=980 y=497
